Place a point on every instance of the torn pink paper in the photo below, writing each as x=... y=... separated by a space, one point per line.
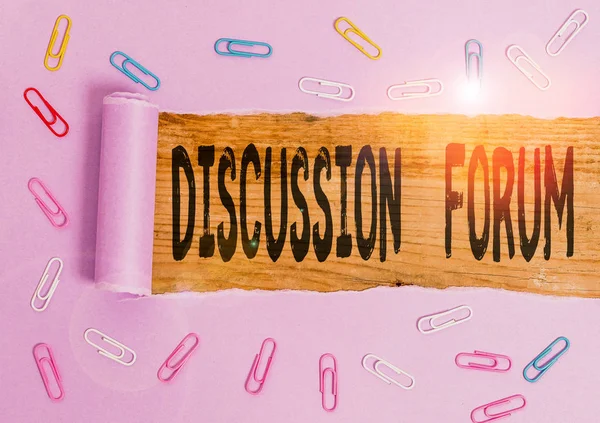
x=126 y=194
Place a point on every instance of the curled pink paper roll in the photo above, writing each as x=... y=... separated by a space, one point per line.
x=126 y=191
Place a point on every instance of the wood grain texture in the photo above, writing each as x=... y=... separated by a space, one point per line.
x=422 y=259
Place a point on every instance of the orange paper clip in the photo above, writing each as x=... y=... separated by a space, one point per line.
x=260 y=381
x=352 y=29
x=55 y=117
x=50 y=214
x=176 y=367
x=48 y=360
x=63 y=45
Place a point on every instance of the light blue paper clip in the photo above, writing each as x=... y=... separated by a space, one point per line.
x=469 y=56
x=232 y=42
x=127 y=72
x=546 y=366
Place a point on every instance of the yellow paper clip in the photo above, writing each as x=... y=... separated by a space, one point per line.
x=352 y=29
x=63 y=46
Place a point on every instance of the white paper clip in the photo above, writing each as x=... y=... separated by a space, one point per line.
x=431 y=318
x=333 y=96
x=571 y=20
x=407 y=95
x=521 y=55
x=474 y=55
x=45 y=298
x=374 y=370
x=110 y=341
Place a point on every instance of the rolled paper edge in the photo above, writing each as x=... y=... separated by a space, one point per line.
x=128 y=98
x=107 y=280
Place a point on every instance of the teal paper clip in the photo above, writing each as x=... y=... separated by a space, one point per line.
x=123 y=68
x=543 y=368
x=233 y=42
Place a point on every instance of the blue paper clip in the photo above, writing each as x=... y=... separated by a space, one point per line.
x=127 y=72
x=232 y=42
x=469 y=56
x=546 y=366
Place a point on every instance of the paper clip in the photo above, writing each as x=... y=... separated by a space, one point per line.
x=50 y=214
x=333 y=96
x=430 y=319
x=374 y=370
x=63 y=46
x=175 y=368
x=231 y=42
x=353 y=29
x=134 y=78
x=407 y=95
x=492 y=366
x=491 y=416
x=252 y=375
x=561 y=31
x=53 y=285
x=521 y=55
x=110 y=341
x=53 y=113
x=40 y=361
x=470 y=56
x=543 y=368
x=323 y=372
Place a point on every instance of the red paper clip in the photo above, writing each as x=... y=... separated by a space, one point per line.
x=50 y=214
x=176 y=367
x=323 y=372
x=497 y=415
x=40 y=361
x=53 y=113
x=252 y=375
x=492 y=364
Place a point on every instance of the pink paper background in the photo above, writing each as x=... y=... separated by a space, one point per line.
x=420 y=39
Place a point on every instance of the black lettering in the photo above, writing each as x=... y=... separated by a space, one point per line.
x=322 y=245
x=529 y=245
x=343 y=159
x=559 y=199
x=227 y=245
x=180 y=159
x=478 y=245
x=274 y=247
x=250 y=246
x=206 y=159
x=393 y=199
x=365 y=245
x=300 y=245
x=455 y=156
x=503 y=158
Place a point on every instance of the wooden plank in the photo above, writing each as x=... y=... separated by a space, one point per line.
x=422 y=258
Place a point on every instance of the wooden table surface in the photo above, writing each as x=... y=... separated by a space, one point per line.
x=423 y=258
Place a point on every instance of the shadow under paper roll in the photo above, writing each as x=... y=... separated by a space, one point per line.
x=126 y=191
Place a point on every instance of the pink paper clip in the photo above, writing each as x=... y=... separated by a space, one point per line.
x=40 y=361
x=323 y=372
x=499 y=414
x=55 y=117
x=50 y=214
x=175 y=368
x=491 y=361
x=252 y=375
